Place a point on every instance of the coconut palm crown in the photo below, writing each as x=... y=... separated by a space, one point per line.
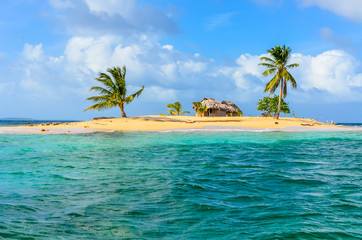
x=200 y=108
x=176 y=109
x=277 y=64
x=114 y=91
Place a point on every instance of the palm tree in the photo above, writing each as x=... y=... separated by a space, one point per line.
x=278 y=64
x=114 y=92
x=200 y=108
x=176 y=108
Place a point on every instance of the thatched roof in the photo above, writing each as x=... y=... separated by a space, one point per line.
x=231 y=106
x=223 y=106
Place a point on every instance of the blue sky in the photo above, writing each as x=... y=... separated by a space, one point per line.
x=181 y=50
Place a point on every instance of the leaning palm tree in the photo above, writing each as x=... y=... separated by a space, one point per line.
x=176 y=109
x=114 y=92
x=278 y=64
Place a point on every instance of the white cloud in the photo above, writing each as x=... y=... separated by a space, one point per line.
x=117 y=17
x=92 y=53
x=191 y=66
x=126 y=9
x=169 y=47
x=332 y=76
x=334 y=72
x=168 y=73
x=350 y=9
x=159 y=94
x=45 y=77
x=148 y=63
x=33 y=53
x=247 y=75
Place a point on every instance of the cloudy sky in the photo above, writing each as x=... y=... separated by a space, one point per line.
x=181 y=50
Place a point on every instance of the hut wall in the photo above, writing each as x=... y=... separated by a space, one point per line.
x=202 y=115
x=217 y=113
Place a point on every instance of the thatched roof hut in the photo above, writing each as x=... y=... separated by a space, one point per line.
x=231 y=106
x=216 y=108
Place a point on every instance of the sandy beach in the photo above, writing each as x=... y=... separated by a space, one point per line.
x=176 y=123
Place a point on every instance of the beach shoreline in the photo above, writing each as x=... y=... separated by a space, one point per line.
x=177 y=124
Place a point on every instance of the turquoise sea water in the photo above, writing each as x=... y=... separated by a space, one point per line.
x=211 y=185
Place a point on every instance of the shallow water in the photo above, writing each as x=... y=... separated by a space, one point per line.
x=149 y=185
x=26 y=122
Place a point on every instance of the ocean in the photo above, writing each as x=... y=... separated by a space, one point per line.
x=25 y=122
x=182 y=185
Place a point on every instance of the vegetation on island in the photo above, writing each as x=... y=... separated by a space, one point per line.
x=114 y=91
x=176 y=109
x=269 y=105
x=200 y=108
x=277 y=64
x=239 y=113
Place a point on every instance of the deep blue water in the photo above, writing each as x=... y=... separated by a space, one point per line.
x=142 y=185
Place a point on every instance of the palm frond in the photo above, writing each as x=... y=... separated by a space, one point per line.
x=131 y=97
x=267 y=59
x=99 y=98
x=170 y=105
x=100 y=106
x=113 y=93
x=288 y=77
x=273 y=84
x=269 y=71
x=197 y=105
x=293 y=65
x=106 y=80
x=175 y=107
x=100 y=90
x=267 y=65
x=119 y=76
x=171 y=111
x=274 y=87
x=277 y=64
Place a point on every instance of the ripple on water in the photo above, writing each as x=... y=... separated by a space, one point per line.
x=243 y=185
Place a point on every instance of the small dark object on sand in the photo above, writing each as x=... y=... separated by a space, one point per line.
x=100 y=118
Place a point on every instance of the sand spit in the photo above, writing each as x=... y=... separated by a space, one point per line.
x=177 y=123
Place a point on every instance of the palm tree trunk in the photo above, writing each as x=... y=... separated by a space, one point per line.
x=121 y=106
x=276 y=116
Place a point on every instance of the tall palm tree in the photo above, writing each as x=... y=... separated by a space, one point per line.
x=278 y=64
x=176 y=108
x=114 y=92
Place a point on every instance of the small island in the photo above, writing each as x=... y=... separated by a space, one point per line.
x=178 y=123
x=210 y=114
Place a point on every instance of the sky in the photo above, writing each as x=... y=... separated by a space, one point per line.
x=180 y=50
